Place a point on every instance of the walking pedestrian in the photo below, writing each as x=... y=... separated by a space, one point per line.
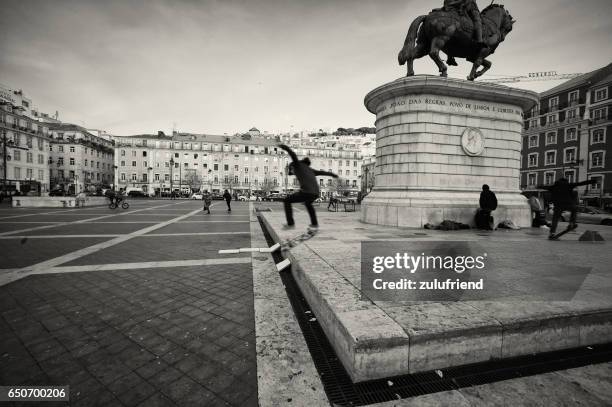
x=564 y=198
x=228 y=199
x=207 y=198
x=309 y=188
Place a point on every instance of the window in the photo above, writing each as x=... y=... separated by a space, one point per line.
x=166 y=177
x=72 y=149
x=225 y=167
x=570 y=175
x=597 y=159
x=573 y=96
x=60 y=161
x=144 y=153
x=122 y=153
x=235 y=168
x=133 y=153
x=134 y=177
x=598 y=183
x=41 y=175
x=216 y=167
x=553 y=103
x=551 y=119
x=85 y=163
x=601 y=94
x=144 y=178
x=41 y=159
x=570 y=155
x=549 y=178
x=551 y=158
x=571 y=135
x=532 y=160
x=133 y=163
x=599 y=114
x=598 y=136
x=144 y=164
x=17 y=172
x=551 y=138
x=571 y=114
x=17 y=155
x=122 y=176
x=71 y=161
x=60 y=149
x=123 y=163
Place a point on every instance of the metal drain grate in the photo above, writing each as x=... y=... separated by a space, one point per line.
x=341 y=391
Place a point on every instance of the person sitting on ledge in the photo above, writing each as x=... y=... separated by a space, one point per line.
x=488 y=203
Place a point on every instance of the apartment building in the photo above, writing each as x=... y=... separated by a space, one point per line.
x=79 y=161
x=248 y=163
x=24 y=145
x=565 y=135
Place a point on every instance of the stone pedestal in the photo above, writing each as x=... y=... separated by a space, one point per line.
x=438 y=140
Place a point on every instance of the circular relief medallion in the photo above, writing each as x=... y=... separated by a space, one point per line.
x=472 y=141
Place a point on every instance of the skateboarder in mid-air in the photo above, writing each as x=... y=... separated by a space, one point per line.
x=564 y=200
x=309 y=188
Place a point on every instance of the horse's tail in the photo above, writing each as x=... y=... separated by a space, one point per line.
x=405 y=52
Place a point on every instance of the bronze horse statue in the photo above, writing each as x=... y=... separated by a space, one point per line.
x=453 y=34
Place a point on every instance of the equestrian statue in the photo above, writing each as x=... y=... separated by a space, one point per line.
x=460 y=30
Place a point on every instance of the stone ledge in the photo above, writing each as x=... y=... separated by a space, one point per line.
x=440 y=335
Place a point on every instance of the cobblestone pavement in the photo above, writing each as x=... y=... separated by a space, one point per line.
x=166 y=334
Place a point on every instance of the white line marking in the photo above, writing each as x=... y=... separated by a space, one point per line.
x=97 y=247
x=10 y=275
x=76 y=221
x=229 y=251
x=119 y=234
x=59 y=212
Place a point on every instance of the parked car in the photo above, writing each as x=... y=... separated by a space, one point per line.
x=136 y=193
x=217 y=197
x=589 y=214
x=197 y=195
x=57 y=192
x=274 y=197
x=247 y=198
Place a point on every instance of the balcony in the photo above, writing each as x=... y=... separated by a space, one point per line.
x=599 y=120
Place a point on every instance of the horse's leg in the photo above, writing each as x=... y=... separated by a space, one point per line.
x=486 y=65
x=477 y=62
x=434 y=52
x=419 y=51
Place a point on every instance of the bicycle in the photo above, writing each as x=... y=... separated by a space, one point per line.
x=114 y=204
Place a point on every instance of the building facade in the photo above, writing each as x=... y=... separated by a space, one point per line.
x=566 y=135
x=79 y=161
x=250 y=163
x=25 y=145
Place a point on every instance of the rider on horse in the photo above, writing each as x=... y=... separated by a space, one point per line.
x=469 y=8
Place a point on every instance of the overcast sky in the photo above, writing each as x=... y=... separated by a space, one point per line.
x=224 y=66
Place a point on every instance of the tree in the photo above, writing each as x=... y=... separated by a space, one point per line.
x=339 y=186
x=193 y=180
x=267 y=185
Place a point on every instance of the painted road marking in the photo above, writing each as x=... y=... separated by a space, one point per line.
x=10 y=275
x=79 y=221
x=97 y=247
x=120 y=234
x=59 y=212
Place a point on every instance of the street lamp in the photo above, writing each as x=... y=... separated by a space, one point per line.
x=171 y=168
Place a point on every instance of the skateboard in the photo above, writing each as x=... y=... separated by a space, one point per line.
x=556 y=236
x=293 y=242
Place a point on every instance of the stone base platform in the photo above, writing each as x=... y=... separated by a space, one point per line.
x=378 y=339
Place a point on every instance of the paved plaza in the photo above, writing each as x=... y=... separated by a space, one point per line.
x=129 y=307
x=137 y=307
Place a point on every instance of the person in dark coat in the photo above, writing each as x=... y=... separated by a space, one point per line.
x=309 y=188
x=564 y=198
x=228 y=199
x=488 y=203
